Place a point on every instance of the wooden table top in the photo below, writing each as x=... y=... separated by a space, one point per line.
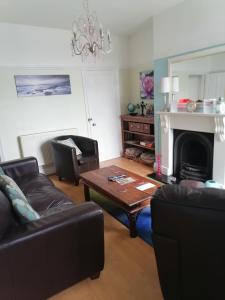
x=126 y=194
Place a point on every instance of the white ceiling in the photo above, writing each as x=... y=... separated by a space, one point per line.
x=121 y=16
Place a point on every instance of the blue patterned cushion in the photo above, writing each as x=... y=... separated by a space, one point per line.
x=19 y=202
x=1 y=171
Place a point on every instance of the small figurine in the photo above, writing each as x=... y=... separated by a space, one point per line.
x=142 y=105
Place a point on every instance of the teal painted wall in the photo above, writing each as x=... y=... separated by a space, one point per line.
x=161 y=70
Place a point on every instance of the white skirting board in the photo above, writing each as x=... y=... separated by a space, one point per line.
x=38 y=145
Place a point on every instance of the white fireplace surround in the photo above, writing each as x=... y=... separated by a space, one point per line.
x=199 y=122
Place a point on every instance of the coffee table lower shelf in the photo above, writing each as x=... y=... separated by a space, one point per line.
x=132 y=212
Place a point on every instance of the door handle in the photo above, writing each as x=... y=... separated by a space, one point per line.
x=89 y=119
x=94 y=124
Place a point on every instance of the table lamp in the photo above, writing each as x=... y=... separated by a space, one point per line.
x=165 y=89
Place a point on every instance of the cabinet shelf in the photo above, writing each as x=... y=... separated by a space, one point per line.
x=135 y=130
x=138 y=133
x=139 y=146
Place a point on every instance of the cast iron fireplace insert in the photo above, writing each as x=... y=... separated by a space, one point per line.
x=193 y=155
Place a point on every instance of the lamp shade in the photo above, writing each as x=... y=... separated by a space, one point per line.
x=165 y=85
x=175 y=84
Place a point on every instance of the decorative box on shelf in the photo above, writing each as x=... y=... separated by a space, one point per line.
x=209 y=106
x=182 y=105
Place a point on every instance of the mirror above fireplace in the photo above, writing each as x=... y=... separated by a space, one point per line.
x=201 y=74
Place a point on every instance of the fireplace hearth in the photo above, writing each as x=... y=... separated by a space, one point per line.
x=193 y=155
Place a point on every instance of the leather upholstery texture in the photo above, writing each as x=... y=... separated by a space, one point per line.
x=68 y=164
x=43 y=257
x=189 y=242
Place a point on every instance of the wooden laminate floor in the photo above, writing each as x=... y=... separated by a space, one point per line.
x=130 y=269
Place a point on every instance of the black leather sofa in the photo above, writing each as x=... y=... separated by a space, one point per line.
x=68 y=164
x=64 y=246
x=189 y=242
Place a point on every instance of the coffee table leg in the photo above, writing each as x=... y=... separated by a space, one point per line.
x=86 y=192
x=132 y=221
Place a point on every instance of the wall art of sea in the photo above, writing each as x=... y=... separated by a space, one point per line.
x=42 y=85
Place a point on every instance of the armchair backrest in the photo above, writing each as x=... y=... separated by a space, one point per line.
x=189 y=242
x=86 y=145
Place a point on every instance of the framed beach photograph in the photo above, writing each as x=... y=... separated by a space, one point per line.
x=42 y=85
x=147 y=85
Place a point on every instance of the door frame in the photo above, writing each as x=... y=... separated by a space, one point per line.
x=84 y=70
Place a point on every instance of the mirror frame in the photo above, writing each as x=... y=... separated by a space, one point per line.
x=193 y=55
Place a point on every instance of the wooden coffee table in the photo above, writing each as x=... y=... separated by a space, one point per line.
x=127 y=196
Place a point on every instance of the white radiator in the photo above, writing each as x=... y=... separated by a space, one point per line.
x=38 y=145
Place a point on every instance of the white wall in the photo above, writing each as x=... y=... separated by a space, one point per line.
x=191 y=25
x=35 y=50
x=140 y=55
x=28 y=115
x=28 y=46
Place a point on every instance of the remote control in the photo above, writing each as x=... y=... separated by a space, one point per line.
x=114 y=178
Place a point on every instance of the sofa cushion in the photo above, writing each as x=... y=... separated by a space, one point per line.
x=5 y=214
x=1 y=171
x=85 y=159
x=60 y=209
x=29 y=184
x=19 y=202
x=46 y=197
x=41 y=193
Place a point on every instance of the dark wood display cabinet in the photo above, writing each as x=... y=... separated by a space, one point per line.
x=138 y=132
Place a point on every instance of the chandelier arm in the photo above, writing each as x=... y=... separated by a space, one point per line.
x=77 y=37
x=78 y=51
x=95 y=44
x=106 y=51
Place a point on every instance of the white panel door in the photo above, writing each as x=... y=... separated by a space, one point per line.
x=103 y=111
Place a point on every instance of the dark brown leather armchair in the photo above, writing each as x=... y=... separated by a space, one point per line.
x=68 y=164
x=189 y=242
x=43 y=257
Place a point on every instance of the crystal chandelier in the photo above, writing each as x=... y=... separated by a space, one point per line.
x=88 y=35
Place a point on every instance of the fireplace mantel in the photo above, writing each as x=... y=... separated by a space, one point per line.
x=214 y=123
x=200 y=122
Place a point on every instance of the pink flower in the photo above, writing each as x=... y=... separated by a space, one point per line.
x=148 y=84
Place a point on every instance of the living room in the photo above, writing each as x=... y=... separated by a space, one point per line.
x=142 y=159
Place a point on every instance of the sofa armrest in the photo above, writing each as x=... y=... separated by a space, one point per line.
x=65 y=159
x=82 y=216
x=52 y=253
x=25 y=167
